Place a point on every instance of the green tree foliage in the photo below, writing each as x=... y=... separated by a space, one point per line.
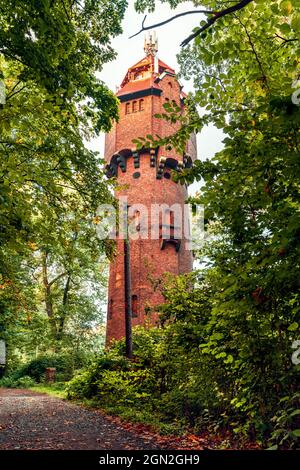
x=50 y=183
x=211 y=367
x=236 y=327
x=245 y=69
x=59 y=45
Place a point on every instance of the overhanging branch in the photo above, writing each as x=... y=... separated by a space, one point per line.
x=157 y=25
x=216 y=17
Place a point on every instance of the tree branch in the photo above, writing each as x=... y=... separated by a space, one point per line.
x=157 y=25
x=56 y=278
x=66 y=11
x=260 y=65
x=216 y=17
x=15 y=93
x=284 y=39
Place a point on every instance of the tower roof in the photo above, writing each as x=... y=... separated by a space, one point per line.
x=147 y=63
x=146 y=72
x=142 y=75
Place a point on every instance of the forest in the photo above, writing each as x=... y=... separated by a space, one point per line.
x=225 y=357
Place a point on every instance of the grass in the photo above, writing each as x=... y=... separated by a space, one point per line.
x=55 y=390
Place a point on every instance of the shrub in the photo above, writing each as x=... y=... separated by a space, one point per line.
x=287 y=423
x=85 y=383
x=64 y=365
x=173 y=378
x=12 y=382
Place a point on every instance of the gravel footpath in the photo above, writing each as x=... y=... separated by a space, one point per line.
x=31 y=420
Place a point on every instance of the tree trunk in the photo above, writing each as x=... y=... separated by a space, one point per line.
x=47 y=287
x=65 y=303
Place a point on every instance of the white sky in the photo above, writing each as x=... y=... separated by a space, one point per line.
x=131 y=51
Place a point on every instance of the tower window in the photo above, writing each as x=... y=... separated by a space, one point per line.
x=172 y=217
x=170 y=85
x=137 y=220
x=127 y=108
x=134 y=107
x=134 y=300
x=141 y=105
x=167 y=226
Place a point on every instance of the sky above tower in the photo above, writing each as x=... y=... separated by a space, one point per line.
x=131 y=51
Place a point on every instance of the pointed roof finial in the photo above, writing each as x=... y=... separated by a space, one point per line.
x=151 y=43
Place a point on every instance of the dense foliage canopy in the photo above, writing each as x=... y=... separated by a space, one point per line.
x=50 y=183
x=245 y=67
x=224 y=355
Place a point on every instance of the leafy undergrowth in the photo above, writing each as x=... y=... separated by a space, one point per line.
x=178 y=389
x=168 y=435
x=148 y=424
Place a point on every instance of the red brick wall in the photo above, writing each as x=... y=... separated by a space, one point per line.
x=148 y=260
x=110 y=141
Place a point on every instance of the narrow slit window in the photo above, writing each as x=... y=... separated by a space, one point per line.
x=127 y=108
x=137 y=220
x=172 y=217
x=134 y=107
x=141 y=105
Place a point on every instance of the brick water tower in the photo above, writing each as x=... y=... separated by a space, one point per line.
x=145 y=178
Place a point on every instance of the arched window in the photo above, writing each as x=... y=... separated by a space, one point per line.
x=134 y=301
x=134 y=107
x=172 y=217
x=141 y=105
x=127 y=108
x=167 y=225
x=170 y=85
x=169 y=217
x=137 y=220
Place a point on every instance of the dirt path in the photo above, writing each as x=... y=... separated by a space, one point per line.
x=30 y=420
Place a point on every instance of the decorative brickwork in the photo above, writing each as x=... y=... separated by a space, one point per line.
x=144 y=177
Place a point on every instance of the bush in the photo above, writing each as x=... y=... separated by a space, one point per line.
x=35 y=369
x=287 y=423
x=12 y=382
x=172 y=381
x=85 y=384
